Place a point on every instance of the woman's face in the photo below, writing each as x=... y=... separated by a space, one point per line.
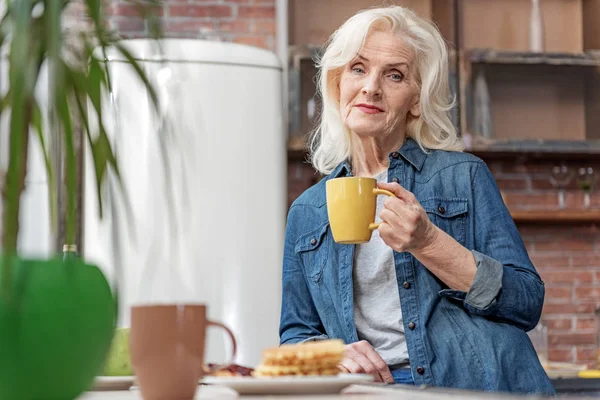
x=378 y=89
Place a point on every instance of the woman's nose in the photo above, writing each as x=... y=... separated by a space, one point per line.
x=372 y=86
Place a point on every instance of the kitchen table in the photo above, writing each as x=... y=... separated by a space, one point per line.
x=354 y=392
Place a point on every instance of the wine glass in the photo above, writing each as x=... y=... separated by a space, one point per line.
x=585 y=180
x=559 y=178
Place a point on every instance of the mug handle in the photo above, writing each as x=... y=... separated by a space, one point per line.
x=377 y=192
x=208 y=370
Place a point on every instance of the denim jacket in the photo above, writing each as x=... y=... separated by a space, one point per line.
x=471 y=340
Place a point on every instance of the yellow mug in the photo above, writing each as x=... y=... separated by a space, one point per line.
x=351 y=206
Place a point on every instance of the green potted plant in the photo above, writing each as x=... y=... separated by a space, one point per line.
x=57 y=316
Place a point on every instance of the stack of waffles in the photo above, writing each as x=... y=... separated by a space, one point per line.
x=311 y=358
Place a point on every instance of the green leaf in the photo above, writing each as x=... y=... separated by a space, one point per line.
x=141 y=74
x=96 y=79
x=52 y=196
x=20 y=101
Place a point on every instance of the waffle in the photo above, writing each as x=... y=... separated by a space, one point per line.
x=310 y=358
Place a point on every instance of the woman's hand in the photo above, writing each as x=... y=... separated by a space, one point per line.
x=361 y=358
x=405 y=225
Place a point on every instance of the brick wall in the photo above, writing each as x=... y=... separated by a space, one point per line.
x=249 y=22
x=567 y=256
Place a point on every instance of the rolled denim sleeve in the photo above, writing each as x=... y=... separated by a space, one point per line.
x=299 y=321
x=506 y=286
x=487 y=283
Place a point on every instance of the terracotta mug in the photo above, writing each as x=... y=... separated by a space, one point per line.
x=167 y=349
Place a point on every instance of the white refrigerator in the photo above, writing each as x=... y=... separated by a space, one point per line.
x=206 y=184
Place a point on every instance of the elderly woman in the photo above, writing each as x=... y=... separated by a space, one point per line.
x=444 y=292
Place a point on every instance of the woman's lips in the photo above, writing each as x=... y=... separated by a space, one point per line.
x=368 y=109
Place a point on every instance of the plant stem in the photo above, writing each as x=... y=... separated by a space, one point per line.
x=13 y=188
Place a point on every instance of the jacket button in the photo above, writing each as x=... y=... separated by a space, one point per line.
x=313 y=241
x=411 y=326
x=395 y=180
x=420 y=370
x=406 y=285
x=395 y=155
x=441 y=209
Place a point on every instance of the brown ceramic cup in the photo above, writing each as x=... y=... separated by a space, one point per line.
x=167 y=349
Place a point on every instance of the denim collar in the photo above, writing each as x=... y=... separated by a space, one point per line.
x=410 y=151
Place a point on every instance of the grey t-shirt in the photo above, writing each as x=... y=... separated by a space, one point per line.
x=377 y=313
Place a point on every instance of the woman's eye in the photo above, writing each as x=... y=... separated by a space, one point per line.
x=358 y=70
x=397 y=77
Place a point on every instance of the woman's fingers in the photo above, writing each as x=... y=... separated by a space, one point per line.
x=398 y=191
x=378 y=363
x=362 y=358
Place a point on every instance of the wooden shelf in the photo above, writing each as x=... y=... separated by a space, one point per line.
x=557 y=216
x=490 y=56
x=530 y=149
x=539 y=149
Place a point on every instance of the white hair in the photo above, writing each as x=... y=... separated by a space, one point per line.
x=330 y=143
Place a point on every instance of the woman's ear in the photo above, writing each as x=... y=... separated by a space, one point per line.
x=415 y=110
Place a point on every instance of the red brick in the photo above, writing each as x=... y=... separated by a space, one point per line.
x=560 y=355
x=129 y=24
x=529 y=246
x=123 y=10
x=496 y=168
x=253 y=40
x=586 y=260
x=525 y=201
x=237 y=26
x=512 y=167
x=564 y=244
x=566 y=276
x=589 y=229
x=560 y=230
x=533 y=230
x=200 y=11
x=542 y=182
x=256 y=12
x=130 y=10
x=585 y=323
x=506 y=184
x=587 y=292
x=265 y=27
x=558 y=294
x=571 y=338
x=559 y=324
x=538 y=167
x=585 y=354
x=545 y=261
x=575 y=199
x=188 y=25
x=582 y=308
x=239 y=1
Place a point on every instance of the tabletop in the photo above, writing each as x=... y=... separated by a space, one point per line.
x=353 y=392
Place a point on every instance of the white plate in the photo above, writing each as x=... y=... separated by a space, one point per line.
x=289 y=384
x=113 y=383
